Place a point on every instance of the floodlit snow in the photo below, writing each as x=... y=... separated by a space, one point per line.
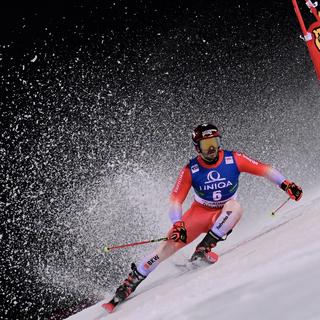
x=97 y=116
x=272 y=273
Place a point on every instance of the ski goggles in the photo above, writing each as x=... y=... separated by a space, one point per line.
x=209 y=143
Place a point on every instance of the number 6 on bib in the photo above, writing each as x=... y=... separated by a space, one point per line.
x=217 y=195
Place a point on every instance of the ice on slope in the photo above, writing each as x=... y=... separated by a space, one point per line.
x=273 y=275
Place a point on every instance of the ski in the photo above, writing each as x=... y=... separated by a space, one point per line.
x=187 y=266
x=128 y=286
x=109 y=306
x=190 y=265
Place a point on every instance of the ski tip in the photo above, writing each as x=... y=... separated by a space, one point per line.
x=108 y=306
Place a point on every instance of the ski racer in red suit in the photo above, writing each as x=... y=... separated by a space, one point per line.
x=214 y=175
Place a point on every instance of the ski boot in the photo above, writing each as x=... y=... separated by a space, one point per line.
x=203 y=249
x=128 y=286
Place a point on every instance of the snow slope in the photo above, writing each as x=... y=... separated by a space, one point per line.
x=273 y=274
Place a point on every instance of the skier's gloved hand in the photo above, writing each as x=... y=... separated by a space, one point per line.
x=179 y=232
x=294 y=191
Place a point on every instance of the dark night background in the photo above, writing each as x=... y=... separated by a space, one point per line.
x=97 y=90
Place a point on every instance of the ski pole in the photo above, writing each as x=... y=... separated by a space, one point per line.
x=106 y=249
x=274 y=212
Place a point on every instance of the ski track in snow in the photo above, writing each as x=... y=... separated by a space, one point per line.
x=271 y=275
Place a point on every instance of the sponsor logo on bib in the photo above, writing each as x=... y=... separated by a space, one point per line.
x=229 y=160
x=215 y=182
x=194 y=168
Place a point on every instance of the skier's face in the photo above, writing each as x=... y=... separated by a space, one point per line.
x=209 y=148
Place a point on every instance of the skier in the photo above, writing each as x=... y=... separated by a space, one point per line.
x=214 y=175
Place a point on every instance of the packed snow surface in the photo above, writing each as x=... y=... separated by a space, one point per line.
x=269 y=273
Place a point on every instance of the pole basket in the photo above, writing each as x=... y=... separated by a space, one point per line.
x=311 y=34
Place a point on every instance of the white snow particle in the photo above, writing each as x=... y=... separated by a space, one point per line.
x=34 y=59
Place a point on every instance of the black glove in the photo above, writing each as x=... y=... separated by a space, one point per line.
x=179 y=232
x=294 y=191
